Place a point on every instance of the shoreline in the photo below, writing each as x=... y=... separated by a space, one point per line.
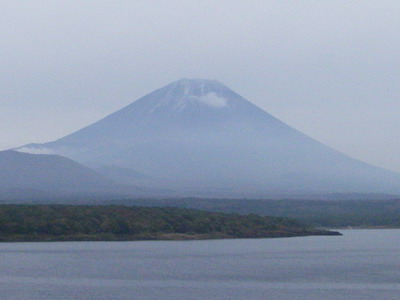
x=159 y=237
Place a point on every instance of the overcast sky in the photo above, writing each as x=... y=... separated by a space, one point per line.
x=328 y=68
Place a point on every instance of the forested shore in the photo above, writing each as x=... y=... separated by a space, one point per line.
x=123 y=223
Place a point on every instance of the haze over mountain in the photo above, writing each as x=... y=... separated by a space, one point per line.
x=45 y=177
x=198 y=136
x=23 y=174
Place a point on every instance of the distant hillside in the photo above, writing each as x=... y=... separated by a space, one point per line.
x=382 y=213
x=107 y=223
x=23 y=174
x=42 y=177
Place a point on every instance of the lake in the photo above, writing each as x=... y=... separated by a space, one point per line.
x=362 y=264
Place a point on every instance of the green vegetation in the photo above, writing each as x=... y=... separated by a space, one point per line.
x=321 y=213
x=110 y=223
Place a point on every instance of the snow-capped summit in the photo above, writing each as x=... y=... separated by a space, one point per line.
x=188 y=92
x=197 y=92
x=199 y=136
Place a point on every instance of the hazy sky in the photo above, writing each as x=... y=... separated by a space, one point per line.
x=328 y=68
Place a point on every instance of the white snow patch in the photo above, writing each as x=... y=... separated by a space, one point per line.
x=32 y=150
x=212 y=99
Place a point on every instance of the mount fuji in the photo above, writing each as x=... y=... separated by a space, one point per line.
x=198 y=137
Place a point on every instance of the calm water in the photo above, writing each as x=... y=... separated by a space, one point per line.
x=362 y=264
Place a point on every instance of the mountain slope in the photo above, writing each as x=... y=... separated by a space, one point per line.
x=198 y=136
x=38 y=172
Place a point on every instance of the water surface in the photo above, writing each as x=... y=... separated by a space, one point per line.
x=362 y=264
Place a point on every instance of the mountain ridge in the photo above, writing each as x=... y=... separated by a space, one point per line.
x=51 y=172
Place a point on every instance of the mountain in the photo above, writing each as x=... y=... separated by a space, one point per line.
x=44 y=177
x=122 y=175
x=198 y=137
x=36 y=175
